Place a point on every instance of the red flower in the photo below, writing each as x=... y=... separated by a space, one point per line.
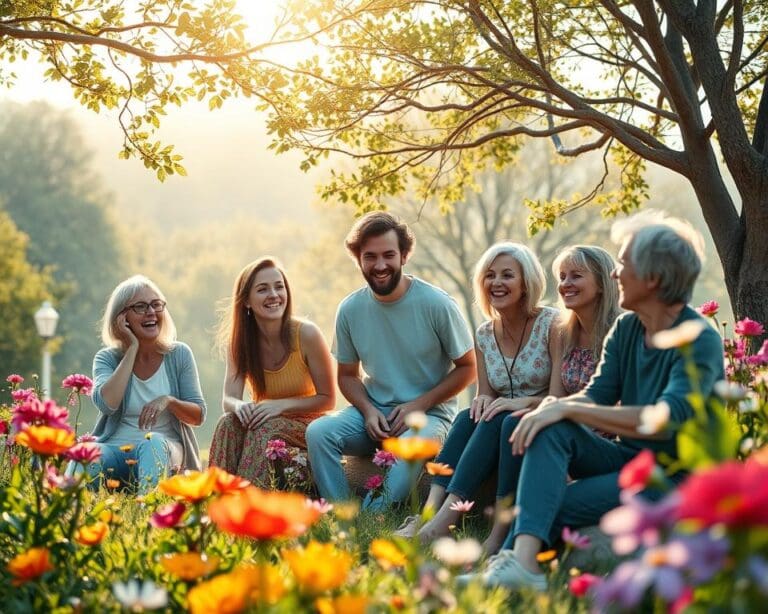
x=636 y=474
x=167 y=516
x=748 y=328
x=14 y=379
x=580 y=585
x=709 y=308
x=373 y=482
x=85 y=453
x=82 y=384
x=4 y=427
x=734 y=494
x=34 y=412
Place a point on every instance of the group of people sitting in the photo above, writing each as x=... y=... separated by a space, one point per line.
x=560 y=393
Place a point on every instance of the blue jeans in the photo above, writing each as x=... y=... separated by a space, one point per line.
x=153 y=461
x=547 y=501
x=343 y=432
x=473 y=450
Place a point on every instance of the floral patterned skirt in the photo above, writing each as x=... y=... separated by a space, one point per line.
x=242 y=452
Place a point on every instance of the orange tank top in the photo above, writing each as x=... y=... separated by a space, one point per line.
x=293 y=379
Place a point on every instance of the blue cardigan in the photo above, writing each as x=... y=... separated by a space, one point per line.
x=185 y=385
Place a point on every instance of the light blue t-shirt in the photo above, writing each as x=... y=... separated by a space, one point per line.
x=406 y=347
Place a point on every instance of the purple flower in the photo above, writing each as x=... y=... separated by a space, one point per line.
x=638 y=521
x=706 y=554
x=574 y=539
x=382 y=458
x=276 y=449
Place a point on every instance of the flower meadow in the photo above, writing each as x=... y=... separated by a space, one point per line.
x=209 y=541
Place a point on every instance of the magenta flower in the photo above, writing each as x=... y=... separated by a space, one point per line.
x=708 y=308
x=276 y=449
x=34 y=412
x=373 y=482
x=84 y=453
x=4 y=427
x=462 y=506
x=382 y=458
x=23 y=394
x=14 y=379
x=167 y=516
x=86 y=437
x=748 y=328
x=575 y=540
x=81 y=384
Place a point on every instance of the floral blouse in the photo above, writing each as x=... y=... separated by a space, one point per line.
x=533 y=367
x=577 y=369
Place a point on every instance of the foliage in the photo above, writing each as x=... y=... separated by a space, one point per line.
x=66 y=215
x=23 y=287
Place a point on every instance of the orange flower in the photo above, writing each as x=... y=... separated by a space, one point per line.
x=546 y=556
x=131 y=461
x=259 y=514
x=318 y=567
x=190 y=485
x=387 y=554
x=412 y=448
x=92 y=534
x=235 y=591
x=46 y=440
x=189 y=565
x=343 y=604
x=29 y=565
x=438 y=469
x=112 y=484
x=126 y=448
x=227 y=482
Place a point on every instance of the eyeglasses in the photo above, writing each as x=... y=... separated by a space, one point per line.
x=142 y=308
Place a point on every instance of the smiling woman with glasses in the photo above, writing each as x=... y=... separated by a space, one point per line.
x=146 y=389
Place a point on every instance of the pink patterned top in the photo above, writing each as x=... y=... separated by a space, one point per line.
x=531 y=374
x=577 y=369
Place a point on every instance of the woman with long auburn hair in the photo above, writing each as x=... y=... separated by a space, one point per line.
x=282 y=360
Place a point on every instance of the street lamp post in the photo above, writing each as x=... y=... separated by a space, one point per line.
x=46 y=319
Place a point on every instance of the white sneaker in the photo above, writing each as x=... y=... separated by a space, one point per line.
x=504 y=570
x=408 y=528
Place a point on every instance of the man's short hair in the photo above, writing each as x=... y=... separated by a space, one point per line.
x=663 y=248
x=375 y=224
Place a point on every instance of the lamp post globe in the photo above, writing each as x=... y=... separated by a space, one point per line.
x=46 y=319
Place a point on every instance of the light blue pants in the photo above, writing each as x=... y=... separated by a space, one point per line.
x=343 y=432
x=153 y=461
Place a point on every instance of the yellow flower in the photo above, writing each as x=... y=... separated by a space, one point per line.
x=412 y=448
x=343 y=604
x=109 y=517
x=189 y=565
x=235 y=591
x=438 y=469
x=190 y=485
x=346 y=510
x=92 y=534
x=29 y=565
x=126 y=448
x=387 y=554
x=318 y=567
x=46 y=440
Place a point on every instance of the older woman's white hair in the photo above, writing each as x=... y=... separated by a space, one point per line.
x=534 y=279
x=663 y=248
x=121 y=297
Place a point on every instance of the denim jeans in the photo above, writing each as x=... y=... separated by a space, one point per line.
x=152 y=461
x=343 y=432
x=474 y=450
x=547 y=501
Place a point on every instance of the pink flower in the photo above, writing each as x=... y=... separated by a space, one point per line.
x=462 y=506
x=748 y=328
x=14 y=379
x=276 y=449
x=84 y=452
x=321 y=505
x=709 y=308
x=23 y=394
x=761 y=358
x=373 y=482
x=56 y=480
x=167 y=516
x=580 y=585
x=34 y=412
x=382 y=458
x=574 y=539
x=636 y=474
x=81 y=384
x=86 y=437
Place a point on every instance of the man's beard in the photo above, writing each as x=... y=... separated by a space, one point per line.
x=389 y=287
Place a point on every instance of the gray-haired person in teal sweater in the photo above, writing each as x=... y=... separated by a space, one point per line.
x=659 y=261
